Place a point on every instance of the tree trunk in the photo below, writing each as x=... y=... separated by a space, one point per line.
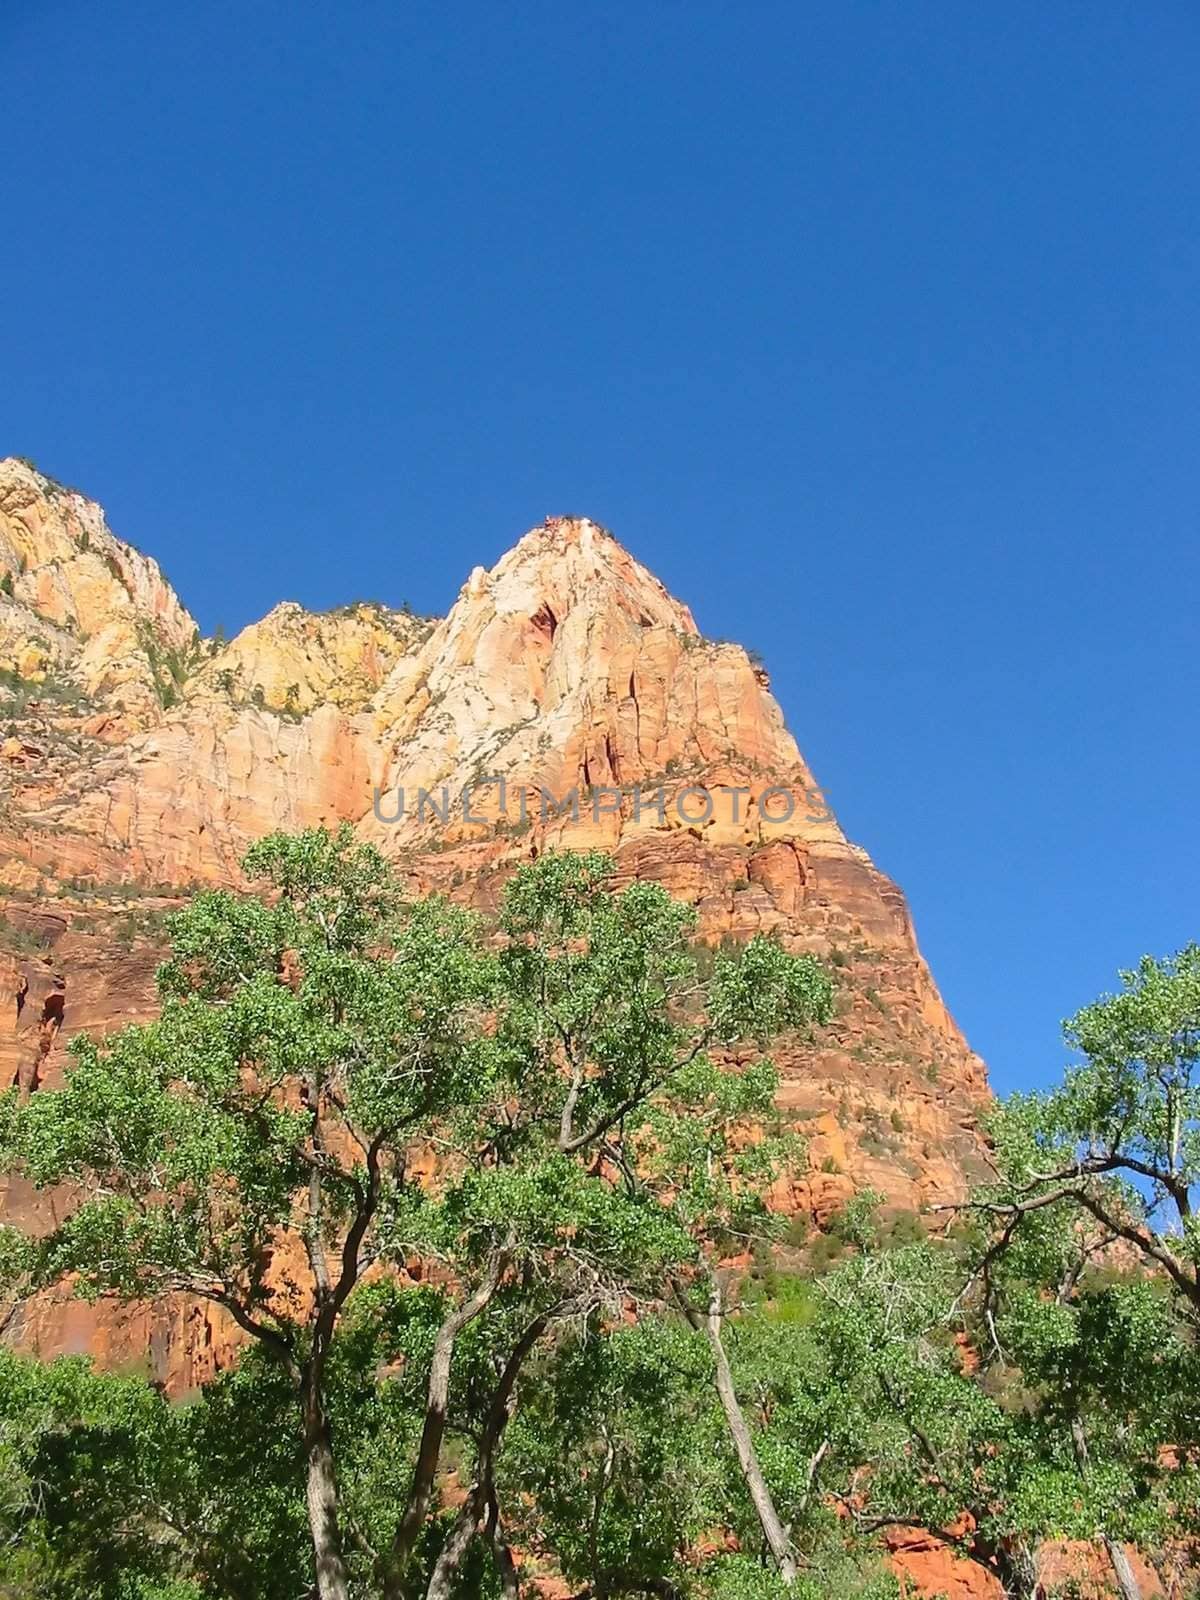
x=441 y=1584
x=1017 y=1570
x=429 y=1450
x=321 y=1496
x=1130 y=1588
x=506 y=1565
x=483 y=1490
x=1122 y=1567
x=764 y=1506
x=320 y=1490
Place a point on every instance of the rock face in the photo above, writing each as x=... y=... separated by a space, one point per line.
x=566 y=700
x=81 y=605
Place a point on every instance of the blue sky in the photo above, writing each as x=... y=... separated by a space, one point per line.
x=871 y=327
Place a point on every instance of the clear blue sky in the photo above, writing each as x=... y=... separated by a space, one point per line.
x=872 y=328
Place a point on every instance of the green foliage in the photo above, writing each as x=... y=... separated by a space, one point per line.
x=20 y=940
x=1116 y=1147
x=26 y=694
x=615 y=1447
x=1131 y=1107
x=1102 y=1358
x=170 y=665
x=740 y=1577
x=591 y=1167
x=76 y=1451
x=113 y=1492
x=312 y=1036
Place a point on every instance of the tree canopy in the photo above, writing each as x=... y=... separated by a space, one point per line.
x=343 y=1084
x=479 y=1195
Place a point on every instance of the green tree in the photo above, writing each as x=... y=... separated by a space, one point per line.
x=640 y=1144
x=113 y=1492
x=627 y=1467
x=258 y=1146
x=864 y=1403
x=80 y=1456
x=617 y=1447
x=1120 y=1138
x=1104 y=1370
x=996 y=1414
x=1101 y=1167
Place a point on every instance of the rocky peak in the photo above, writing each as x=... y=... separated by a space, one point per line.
x=568 y=666
x=296 y=660
x=572 y=563
x=83 y=614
